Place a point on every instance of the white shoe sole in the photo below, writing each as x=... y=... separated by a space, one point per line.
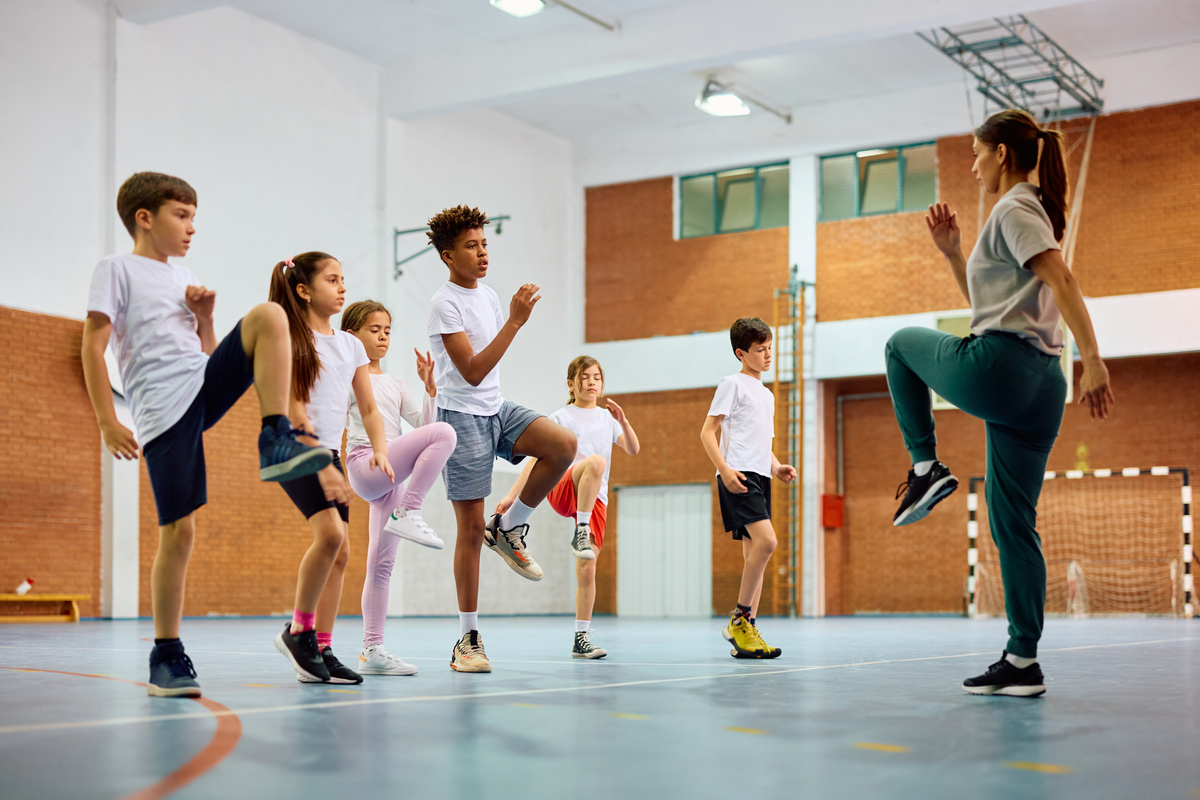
x=186 y=691
x=593 y=654
x=432 y=541
x=935 y=494
x=496 y=548
x=1035 y=690
x=480 y=668
x=314 y=460
x=584 y=555
x=407 y=669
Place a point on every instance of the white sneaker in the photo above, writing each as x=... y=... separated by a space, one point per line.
x=376 y=660
x=411 y=525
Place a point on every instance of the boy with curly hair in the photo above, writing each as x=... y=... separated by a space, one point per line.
x=469 y=335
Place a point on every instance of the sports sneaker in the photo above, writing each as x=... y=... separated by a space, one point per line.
x=584 y=648
x=768 y=651
x=409 y=524
x=1007 y=679
x=282 y=458
x=468 y=655
x=745 y=640
x=376 y=660
x=923 y=492
x=338 y=672
x=581 y=542
x=510 y=545
x=301 y=650
x=171 y=673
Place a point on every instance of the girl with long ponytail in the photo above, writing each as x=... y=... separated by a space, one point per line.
x=328 y=366
x=1006 y=372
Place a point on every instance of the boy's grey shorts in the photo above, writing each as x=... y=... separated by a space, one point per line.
x=481 y=440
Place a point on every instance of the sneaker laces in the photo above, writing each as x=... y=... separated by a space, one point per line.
x=515 y=537
x=180 y=666
x=904 y=486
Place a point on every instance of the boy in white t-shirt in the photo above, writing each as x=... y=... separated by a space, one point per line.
x=469 y=336
x=744 y=412
x=179 y=381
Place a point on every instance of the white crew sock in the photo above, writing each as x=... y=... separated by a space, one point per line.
x=923 y=468
x=582 y=625
x=583 y=518
x=1020 y=662
x=517 y=514
x=467 y=621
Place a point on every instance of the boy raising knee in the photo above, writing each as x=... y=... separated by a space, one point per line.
x=469 y=336
x=744 y=412
x=179 y=381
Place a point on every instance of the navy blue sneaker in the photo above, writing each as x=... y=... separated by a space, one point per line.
x=922 y=493
x=171 y=672
x=282 y=458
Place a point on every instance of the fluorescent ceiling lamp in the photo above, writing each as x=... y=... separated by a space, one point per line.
x=715 y=99
x=866 y=153
x=520 y=8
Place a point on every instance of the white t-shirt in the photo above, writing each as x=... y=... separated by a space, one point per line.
x=477 y=313
x=341 y=355
x=749 y=424
x=597 y=431
x=1006 y=295
x=154 y=337
x=395 y=402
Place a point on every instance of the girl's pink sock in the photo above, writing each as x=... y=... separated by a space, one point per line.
x=324 y=640
x=305 y=622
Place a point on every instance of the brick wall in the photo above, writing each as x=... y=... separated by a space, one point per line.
x=50 y=496
x=871 y=566
x=1138 y=232
x=642 y=282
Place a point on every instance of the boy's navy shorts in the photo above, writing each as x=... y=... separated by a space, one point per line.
x=175 y=458
x=739 y=510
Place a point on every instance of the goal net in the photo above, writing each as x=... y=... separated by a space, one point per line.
x=1116 y=542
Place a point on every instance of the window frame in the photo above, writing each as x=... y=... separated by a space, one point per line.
x=858 y=183
x=717 y=205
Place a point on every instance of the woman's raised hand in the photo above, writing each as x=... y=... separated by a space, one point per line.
x=943 y=228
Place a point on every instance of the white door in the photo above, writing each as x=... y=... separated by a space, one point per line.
x=664 y=557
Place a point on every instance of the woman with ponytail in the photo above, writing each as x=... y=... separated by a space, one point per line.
x=1006 y=372
x=327 y=366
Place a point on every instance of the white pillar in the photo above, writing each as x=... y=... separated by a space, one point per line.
x=119 y=543
x=803 y=204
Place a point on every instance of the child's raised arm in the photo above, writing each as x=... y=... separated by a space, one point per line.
x=474 y=367
x=119 y=440
x=372 y=420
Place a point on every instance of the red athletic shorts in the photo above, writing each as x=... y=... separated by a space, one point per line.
x=562 y=499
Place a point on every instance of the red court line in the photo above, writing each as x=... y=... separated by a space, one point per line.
x=224 y=741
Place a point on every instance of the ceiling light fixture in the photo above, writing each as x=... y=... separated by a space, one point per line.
x=525 y=8
x=721 y=101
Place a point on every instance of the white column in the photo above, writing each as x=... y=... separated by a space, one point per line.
x=119 y=543
x=803 y=204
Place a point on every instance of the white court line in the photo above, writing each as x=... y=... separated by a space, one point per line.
x=55 y=726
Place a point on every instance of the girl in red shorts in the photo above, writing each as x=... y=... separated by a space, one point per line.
x=582 y=493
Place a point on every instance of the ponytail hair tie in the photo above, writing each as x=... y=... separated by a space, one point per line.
x=287 y=262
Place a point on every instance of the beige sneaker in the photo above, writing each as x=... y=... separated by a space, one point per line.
x=468 y=655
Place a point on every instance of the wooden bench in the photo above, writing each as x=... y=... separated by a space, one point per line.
x=68 y=606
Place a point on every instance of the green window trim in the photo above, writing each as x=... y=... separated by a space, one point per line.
x=899 y=156
x=723 y=181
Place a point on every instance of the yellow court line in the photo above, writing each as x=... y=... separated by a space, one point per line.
x=345 y=691
x=883 y=748
x=736 y=729
x=1033 y=766
x=623 y=715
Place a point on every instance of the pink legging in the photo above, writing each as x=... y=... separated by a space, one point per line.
x=421 y=454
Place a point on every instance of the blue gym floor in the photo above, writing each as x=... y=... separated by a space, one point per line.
x=855 y=707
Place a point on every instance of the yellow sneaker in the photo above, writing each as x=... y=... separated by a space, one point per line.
x=740 y=633
x=766 y=649
x=468 y=655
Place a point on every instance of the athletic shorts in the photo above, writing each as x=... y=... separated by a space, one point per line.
x=308 y=496
x=562 y=499
x=739 y=510
x=175 y=458
x=481 y=440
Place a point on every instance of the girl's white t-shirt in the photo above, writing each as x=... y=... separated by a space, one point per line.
x=597 y=431
x=395 y=402
x=749 y=424
x=154 y=337
x=477 y=313
x=341 y=355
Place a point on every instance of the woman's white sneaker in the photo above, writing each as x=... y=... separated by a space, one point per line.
x=408 y=524
x=376 y=660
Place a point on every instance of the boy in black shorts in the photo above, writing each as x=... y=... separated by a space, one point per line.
x=744 y=412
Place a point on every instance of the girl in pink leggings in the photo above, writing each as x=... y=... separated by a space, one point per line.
x=418 y=456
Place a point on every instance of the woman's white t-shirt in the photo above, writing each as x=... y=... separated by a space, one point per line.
x=341 y=355
x=596 y=430
x=749 y=423
x=395 y=402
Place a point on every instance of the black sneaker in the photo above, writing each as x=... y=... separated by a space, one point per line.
x=282 y=458
x=171 y=673
x=1006 y=679
x=922 y=493
x=338 y=672
x=301 y=650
